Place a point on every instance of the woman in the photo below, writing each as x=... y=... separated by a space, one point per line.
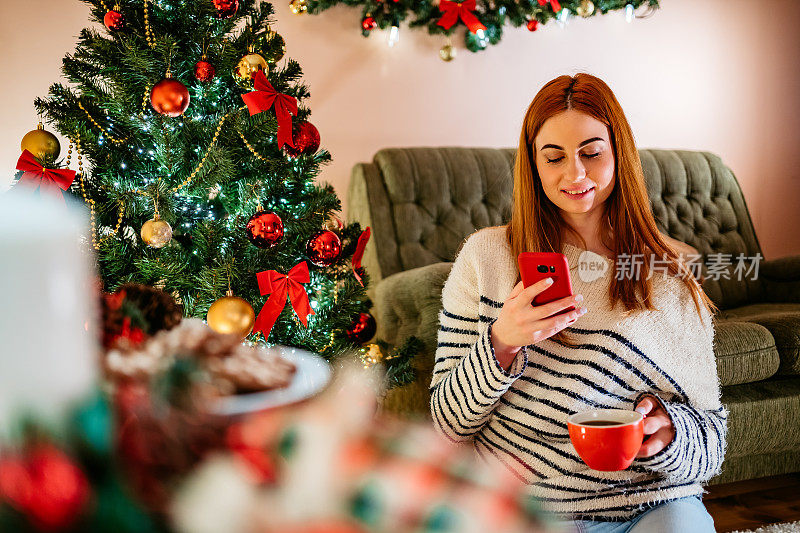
x=507 y=378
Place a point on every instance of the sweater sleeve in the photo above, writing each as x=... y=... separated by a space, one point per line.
x=468 y=381
x=698 y=449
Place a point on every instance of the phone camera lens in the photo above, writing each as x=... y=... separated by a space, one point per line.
x=552 y=269
x=542 y=268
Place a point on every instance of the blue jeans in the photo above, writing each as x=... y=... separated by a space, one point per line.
x=684 y=515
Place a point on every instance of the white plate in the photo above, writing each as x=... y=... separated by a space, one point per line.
x=312 y=375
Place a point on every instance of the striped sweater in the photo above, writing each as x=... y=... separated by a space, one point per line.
x=518 y=416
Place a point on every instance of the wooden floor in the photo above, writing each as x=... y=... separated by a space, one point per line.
x=754 y=503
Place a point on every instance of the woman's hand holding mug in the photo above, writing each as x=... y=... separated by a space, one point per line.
x=657 y=424
x=522 y=323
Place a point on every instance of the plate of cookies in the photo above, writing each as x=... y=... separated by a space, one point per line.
x=299 y=375
x=231 y=377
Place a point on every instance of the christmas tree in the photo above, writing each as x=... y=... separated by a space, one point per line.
x=197 y=162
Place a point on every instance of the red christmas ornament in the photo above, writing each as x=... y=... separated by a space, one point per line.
x=369 y=23
x=305 y=138
x=226 y=8
x=533 y=24
x=114 y=20
x=264 y=229
x=169 y=97
x=324 y=248
x=243 y=440
x=45 y=485
x=362 y=328
x=204 y=71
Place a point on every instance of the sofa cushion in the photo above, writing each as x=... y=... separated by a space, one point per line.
x=406 y=304
x=745 y=352
x=763 y=416
x=783 y=322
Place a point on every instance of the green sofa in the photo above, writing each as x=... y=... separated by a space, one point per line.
x=421 y=204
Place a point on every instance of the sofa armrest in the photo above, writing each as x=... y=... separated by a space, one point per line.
x=408 y=303
x=781 y=279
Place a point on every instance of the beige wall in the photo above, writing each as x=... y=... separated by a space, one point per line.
x=718 y=75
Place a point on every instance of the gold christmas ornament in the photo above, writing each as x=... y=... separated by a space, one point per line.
x=585 y=8
x=41 y=143
x=372 y=356
x=447 y=52
x=298 y=7
x=270 y=45
x=231 y=315
x=247 y=66
x=333 y=223
x=156 y=232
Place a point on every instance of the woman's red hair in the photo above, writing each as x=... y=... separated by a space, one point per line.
x=629 y=226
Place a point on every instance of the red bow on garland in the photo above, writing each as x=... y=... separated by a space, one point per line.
x=359 y=253
x=264 y=97
x=553 y=3
x=278 y=285
x=453 y=11
x=45 y=179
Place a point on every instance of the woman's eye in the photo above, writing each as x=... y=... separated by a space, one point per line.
x=588 y=156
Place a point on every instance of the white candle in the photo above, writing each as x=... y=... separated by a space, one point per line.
x=48 y=348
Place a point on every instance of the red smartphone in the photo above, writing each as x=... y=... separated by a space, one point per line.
x=535 y=266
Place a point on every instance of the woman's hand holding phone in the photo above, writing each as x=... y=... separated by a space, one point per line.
x=522 y=323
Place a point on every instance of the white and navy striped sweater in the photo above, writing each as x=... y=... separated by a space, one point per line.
x=519 y=416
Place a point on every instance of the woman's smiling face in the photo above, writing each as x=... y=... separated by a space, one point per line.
x=573 y=152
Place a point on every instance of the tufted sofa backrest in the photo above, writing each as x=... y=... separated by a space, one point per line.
x=423 y=202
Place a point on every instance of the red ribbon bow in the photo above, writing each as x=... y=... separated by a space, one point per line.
x=553 y=3
x=453 y=11
x=278 y=285
x=264 y=97
x=359 y=253
x=45 y=179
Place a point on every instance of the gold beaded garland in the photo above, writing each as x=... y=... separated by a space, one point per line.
x=250 y=146
x=148 y=31
x=98 y=126
x=89 y=201
x=208 y=151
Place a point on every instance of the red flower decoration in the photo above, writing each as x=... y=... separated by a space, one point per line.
x=45 y=485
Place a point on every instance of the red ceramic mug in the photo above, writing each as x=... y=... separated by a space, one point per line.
x=607 y=439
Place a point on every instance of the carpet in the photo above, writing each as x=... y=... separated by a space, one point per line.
x=788 y=527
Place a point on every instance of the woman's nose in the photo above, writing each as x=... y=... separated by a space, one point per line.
x=575 y=169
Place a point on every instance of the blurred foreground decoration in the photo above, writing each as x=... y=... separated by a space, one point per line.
x=326 y=464
x=47 y=289
x=143 y=452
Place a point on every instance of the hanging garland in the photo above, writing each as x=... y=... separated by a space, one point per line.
x=483 y=19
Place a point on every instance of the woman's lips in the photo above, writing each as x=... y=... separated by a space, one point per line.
x=578 y=196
